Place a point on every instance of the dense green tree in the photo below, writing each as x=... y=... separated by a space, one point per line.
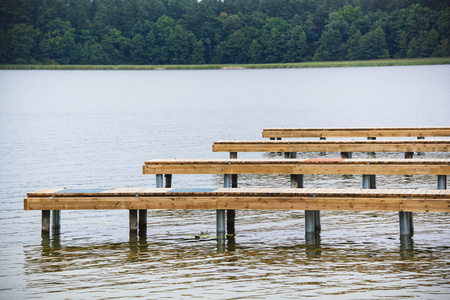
x=14 y=12
x=59 y=42
x=423 y=45
x=22 y=42
x=330 y=46
x=115 y=46
x=179 y=43
x=3 y=47
x=232 y=24
x=297 y=46
x=138 y=54
x=373 y=45
x=50 y=10
x=198 y=53
x=354 y=50
x=274 y=38
x=255 y=52
x=235 y=48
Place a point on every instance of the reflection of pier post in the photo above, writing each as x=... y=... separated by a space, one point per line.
x=313 y=248
x=406 y=247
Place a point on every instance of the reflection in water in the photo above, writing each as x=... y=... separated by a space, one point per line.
x=406 y=247
x=313 y=248
x=168 y=265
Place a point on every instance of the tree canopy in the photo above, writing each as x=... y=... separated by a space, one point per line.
x=220 y=31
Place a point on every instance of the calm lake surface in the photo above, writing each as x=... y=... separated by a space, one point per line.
x=95 y=129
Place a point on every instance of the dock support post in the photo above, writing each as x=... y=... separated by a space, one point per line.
x=346 y=154
x=442 y=182
x=142 y=221
x=406 y=221
x=133 y=221
x=159 y=181
x=220 y=226
x=311 y=222
x=369 y=182
x=56 y=220
x=231 y=213
x=45 y=222
x=409 y=154
x=220 y=213
x=168 y=180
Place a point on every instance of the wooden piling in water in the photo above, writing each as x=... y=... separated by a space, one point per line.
x=231 y=213
x=56 y=220
x=45 y=222
x=133 y=221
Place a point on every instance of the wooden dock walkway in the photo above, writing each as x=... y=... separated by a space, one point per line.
x=420 y=132
x=299 y=166
x=333 y=146
x=241 y=198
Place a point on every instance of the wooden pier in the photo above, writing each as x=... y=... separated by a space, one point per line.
x=230 y=198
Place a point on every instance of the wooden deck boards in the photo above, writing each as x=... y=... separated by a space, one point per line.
x=300 y=166
x=333 y=146
x=249 y=198
x=356 y=132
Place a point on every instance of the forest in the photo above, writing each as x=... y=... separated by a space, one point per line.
x=161 y=32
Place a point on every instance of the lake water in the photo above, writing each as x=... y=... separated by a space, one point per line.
x=95 y=129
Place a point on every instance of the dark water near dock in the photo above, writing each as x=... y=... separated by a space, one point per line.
x=95 y=129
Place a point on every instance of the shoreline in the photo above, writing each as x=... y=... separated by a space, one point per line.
x=324 y=64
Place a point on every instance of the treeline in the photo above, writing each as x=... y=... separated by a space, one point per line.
x=213 y=31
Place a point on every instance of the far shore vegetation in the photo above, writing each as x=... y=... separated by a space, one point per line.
x=323 y=64
x=215 y=34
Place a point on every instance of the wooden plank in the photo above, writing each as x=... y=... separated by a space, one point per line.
x=356 y=132
x=258 y=198
x=301 y=166
x=333 y=146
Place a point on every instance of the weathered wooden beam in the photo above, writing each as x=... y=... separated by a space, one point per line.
x=356 y=132
x=250 y=198
x=333 y=146
x=301 y=166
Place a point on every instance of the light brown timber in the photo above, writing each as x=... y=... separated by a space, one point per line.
x=333 y=146
x=356 y=132
x=300 y=166
x=249 y=198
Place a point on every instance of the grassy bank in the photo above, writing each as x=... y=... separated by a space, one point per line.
x=326 y=64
